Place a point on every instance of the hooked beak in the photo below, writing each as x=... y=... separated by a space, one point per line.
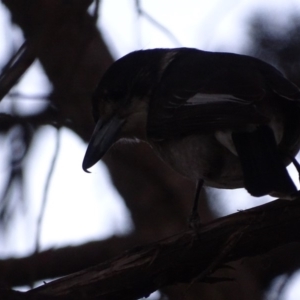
x=103 y=137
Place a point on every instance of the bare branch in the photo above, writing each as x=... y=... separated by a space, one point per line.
x=161 y=27
x=182 y=257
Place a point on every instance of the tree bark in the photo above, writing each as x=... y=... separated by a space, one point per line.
x=187 y=257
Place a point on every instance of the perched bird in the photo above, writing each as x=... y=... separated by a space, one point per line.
x=226 y=119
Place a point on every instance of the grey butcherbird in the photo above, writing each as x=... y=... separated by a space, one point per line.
x=229 y=120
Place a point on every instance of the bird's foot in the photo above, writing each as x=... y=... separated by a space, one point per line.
x=194 y=221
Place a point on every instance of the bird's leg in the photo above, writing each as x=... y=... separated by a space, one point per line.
x=194 y=219
x=296 y=164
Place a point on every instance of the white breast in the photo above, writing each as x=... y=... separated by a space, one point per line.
x=202 y=157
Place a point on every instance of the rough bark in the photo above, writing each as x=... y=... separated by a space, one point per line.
x=187 y=257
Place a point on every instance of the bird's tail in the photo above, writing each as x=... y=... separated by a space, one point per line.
x=263 y=168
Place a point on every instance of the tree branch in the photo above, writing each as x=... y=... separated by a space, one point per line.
x=60 y=262
x=182 y=257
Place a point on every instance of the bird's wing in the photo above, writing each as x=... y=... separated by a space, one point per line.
x=201 y=97
x=176 y=112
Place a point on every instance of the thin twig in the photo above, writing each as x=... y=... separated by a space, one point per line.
x=46 y=190
x=13 y=59
x=167 y=32
x=16 y=66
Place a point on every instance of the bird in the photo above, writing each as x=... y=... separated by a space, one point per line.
x=220 y=119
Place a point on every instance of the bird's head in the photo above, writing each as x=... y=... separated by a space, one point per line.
x=120 y=102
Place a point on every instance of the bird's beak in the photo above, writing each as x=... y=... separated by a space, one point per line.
x=103 y=137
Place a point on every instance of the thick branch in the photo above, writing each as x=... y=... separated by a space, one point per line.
x=183 y=257
x=53 y=263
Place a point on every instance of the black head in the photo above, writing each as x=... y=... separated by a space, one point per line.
x=131 y=77
x=120 y=102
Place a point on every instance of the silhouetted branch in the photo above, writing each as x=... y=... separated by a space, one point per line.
x=16 y=67
x=182 y=257
x=162 y=28
x=46 y=191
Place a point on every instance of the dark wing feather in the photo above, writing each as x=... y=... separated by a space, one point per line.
x=203 y=92
x=201 y=118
